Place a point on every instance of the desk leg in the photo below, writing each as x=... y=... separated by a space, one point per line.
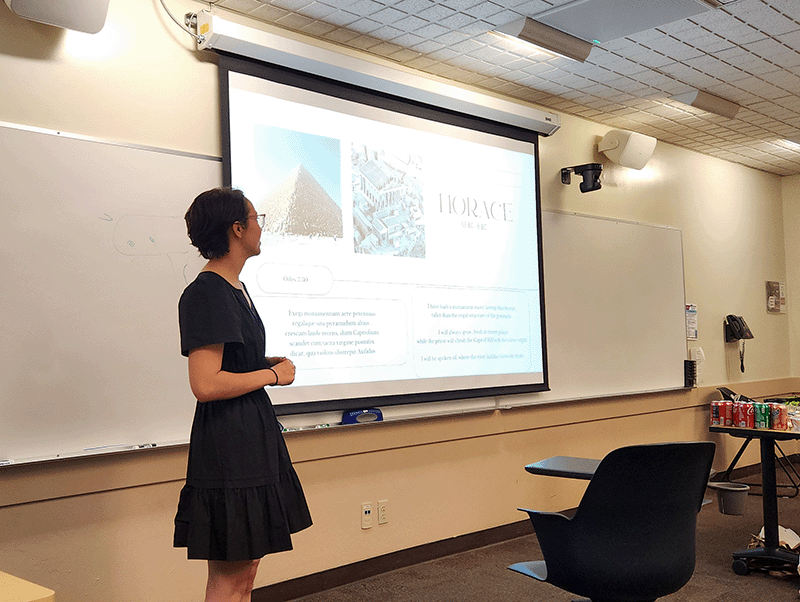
x=769 y=493
x=771 y=555
x=726 y=476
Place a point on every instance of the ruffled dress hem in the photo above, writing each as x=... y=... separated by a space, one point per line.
x=245 y=523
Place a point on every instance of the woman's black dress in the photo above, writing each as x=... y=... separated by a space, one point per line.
x=242 y=498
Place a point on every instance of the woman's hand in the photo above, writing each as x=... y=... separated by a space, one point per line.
x=284 y=368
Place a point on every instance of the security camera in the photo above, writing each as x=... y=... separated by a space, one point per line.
x=590 y=173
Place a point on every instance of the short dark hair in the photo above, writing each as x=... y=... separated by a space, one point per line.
x=209 y=217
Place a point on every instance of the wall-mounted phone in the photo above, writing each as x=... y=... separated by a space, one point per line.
x=736 y=329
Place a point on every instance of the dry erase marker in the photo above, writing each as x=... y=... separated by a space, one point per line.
x=6 y=462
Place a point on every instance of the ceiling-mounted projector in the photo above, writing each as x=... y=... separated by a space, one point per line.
x=81 y=15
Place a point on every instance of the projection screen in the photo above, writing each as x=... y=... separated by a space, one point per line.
x=401 y=257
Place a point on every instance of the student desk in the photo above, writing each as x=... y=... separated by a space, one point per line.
x=14 y=589
x=565 y=466
x=771 y=556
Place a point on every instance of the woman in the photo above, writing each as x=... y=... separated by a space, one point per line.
x=242 y=498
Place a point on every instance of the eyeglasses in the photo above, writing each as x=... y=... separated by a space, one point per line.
x=261 y=219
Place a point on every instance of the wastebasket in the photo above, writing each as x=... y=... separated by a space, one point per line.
x=732 y=497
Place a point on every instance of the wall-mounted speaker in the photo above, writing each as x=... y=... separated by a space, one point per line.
x=81 y=15
x=629 y=149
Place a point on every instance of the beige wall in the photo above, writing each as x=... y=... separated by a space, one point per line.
x=791 y=220
x=98 y=529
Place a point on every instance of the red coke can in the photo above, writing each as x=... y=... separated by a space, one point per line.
x=716 y=406
x=726 y=413
x=750 y=415
x=739 y=414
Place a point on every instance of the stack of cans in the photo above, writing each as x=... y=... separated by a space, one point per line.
x=722 y=413
x=745 y=414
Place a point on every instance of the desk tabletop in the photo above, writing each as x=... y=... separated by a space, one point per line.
x=14 y=589
x=736 y=431
x=565 y=466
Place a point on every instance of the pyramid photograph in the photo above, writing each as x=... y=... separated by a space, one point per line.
x=299 y=205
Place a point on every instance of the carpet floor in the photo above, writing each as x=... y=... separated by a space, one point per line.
x=481 y=574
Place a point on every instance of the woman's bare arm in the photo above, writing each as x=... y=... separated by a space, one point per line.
x=209 y=382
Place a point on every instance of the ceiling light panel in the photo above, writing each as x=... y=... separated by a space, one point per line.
x=599 y=21
x=546 y=38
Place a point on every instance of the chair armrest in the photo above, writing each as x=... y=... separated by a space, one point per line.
x=547 y=523
x=536 y=515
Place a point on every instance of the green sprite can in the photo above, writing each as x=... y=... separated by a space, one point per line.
x=762 y=412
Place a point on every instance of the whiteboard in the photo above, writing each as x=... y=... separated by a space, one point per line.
x=93 y=257
x=615 y=307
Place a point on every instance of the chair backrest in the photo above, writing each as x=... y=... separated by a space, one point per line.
x=636 y=523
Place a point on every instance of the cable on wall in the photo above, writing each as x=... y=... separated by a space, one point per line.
x=187 y=20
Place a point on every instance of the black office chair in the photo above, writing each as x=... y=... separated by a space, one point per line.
x=632 y=538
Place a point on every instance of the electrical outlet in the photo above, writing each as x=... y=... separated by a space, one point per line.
x=383 y=516
x=366 y=515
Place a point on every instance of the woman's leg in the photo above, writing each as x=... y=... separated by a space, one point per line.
x=230 y=581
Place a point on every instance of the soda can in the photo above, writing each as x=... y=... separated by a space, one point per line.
x=739 y=414
x=750 y=415
x=779 y=415
x=716 y=406
x=762 y=415
x=726 y=417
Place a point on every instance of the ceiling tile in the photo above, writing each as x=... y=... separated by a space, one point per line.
x=316 y=10
x=427 y=47
x=790 y=8
x=389 y=15
x=736 y=31
x=410 y=23
x=318 y=29
x=451 y=37
x=484 y=10
x=364 y=25
x=294 y=21
x=765 y=47
x=364 y=42
x=457 y=21
x=242 y=6
x=766 y=19
x=436 y=13
x=268 y=13
x=411 y=7
x=408 y=40
x=342 y=18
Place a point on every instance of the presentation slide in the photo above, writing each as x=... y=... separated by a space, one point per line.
x=400 y=256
